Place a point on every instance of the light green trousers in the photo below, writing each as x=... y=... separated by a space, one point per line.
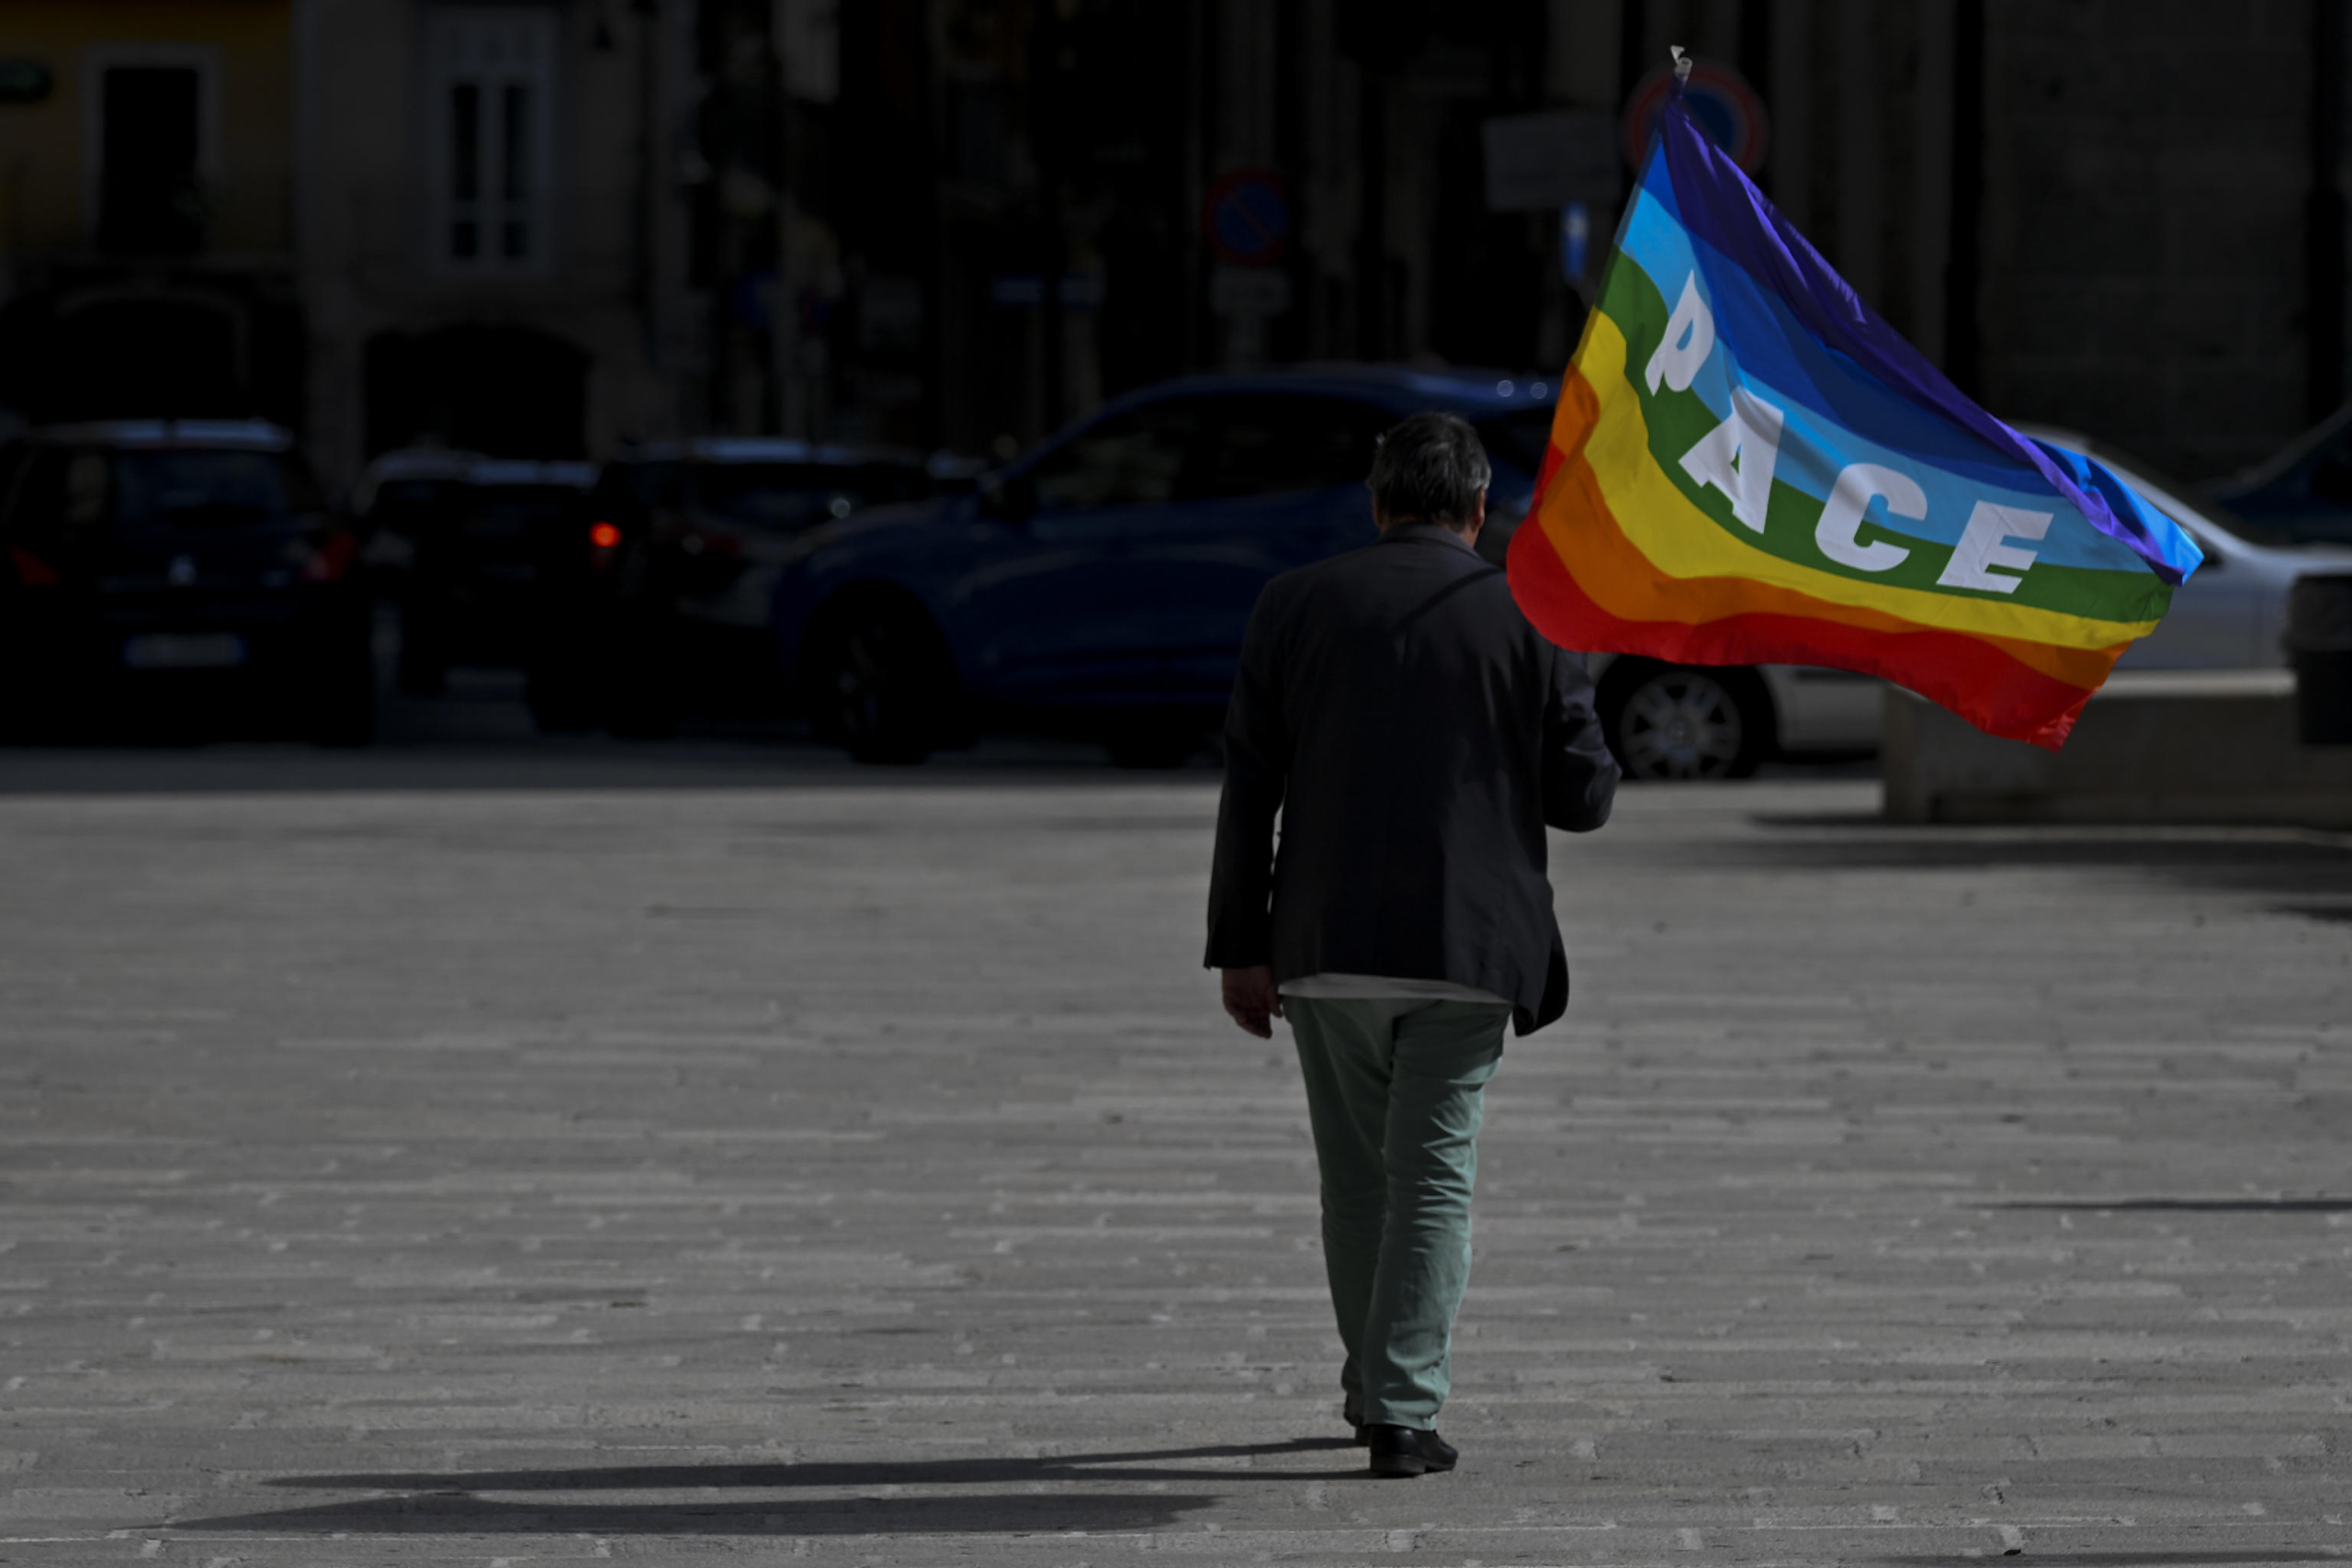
x=1395 y=1092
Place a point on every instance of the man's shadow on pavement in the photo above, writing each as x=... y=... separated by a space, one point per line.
x=448 y=1503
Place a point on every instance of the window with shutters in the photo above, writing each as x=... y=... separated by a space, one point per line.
x=491 y=119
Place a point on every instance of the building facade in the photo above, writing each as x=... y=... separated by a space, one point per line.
x=486 y=248
x=544 y=227
x=147 y=193
x=2123 y=219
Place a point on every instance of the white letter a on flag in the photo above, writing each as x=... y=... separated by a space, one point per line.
x=1736 y=456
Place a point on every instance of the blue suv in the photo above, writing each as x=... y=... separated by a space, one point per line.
x=1099 y=585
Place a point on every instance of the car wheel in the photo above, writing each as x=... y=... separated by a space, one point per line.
x=560 y=701
x=560 y=673
x=883 y=686
x=423 y=670
x=340 y=710
x=638 y=708
x=639 y=696
x=1677 y=721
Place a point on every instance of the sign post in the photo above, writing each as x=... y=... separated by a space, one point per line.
x=1246 y=220
x=1247 y=217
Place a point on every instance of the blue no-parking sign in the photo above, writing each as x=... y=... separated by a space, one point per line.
x=1247 y=217
x=1718 y=97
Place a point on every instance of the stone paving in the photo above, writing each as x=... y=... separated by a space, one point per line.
x=857 y=1169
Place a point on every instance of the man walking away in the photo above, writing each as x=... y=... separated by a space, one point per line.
x=1417 y=735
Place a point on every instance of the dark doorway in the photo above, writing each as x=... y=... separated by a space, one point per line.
x=150 y=202
x=507 y=392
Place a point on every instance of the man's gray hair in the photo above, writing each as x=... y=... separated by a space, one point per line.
x=1428 y=469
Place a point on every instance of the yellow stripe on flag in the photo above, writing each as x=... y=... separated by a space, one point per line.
x=1682 y=542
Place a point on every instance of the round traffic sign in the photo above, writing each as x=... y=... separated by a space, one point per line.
x=1718 y=97
x=1246 y=218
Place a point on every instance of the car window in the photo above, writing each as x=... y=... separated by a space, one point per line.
x=789 y=497
x=1279 y=443
x=514 y=511
x=655 y=484
x=186 y=487
x=1133 y=458
x=12 y=463
x=86 y=488
x=876 y=483
x=405 y=505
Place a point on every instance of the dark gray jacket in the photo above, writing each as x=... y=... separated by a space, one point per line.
x=1416 y=735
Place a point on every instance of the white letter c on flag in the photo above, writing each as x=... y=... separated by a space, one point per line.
x=1849 y=499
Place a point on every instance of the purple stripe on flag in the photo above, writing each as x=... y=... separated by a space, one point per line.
x=1715 y=202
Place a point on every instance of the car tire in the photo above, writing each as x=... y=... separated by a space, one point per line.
x=560 y=701
x=883 y=684
x=560 y=672
x=423 y=670
x=639 y=699
x=340 y=711
x=638 y=708
x=1682 y=721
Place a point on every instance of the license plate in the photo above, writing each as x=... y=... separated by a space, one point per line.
x=184 y=650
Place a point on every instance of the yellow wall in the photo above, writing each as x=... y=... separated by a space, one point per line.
x=44 y=200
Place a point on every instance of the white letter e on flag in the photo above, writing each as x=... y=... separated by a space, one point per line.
x=1983 y=545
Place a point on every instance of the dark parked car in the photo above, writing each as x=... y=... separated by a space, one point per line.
x=656 y=603
x=459 y=537
x=1099 y=584
x=178 y=570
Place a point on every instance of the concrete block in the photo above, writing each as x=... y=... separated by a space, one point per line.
x=2181 y=747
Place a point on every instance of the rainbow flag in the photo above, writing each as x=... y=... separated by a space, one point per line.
x=1749 y=466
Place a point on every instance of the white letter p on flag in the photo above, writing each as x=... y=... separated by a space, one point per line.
x=1690 y=338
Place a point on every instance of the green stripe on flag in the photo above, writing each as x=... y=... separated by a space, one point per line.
x=1677 y=421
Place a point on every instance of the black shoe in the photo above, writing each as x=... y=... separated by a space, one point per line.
x=1354 y=1418
x=1401 y=1450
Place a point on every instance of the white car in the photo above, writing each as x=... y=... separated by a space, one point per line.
x=1685 y=721
x=1672 y=721
x=2232 y=613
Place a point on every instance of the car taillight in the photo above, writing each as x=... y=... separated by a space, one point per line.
x=604 y=536
x=31 y=571
x=328 y=561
